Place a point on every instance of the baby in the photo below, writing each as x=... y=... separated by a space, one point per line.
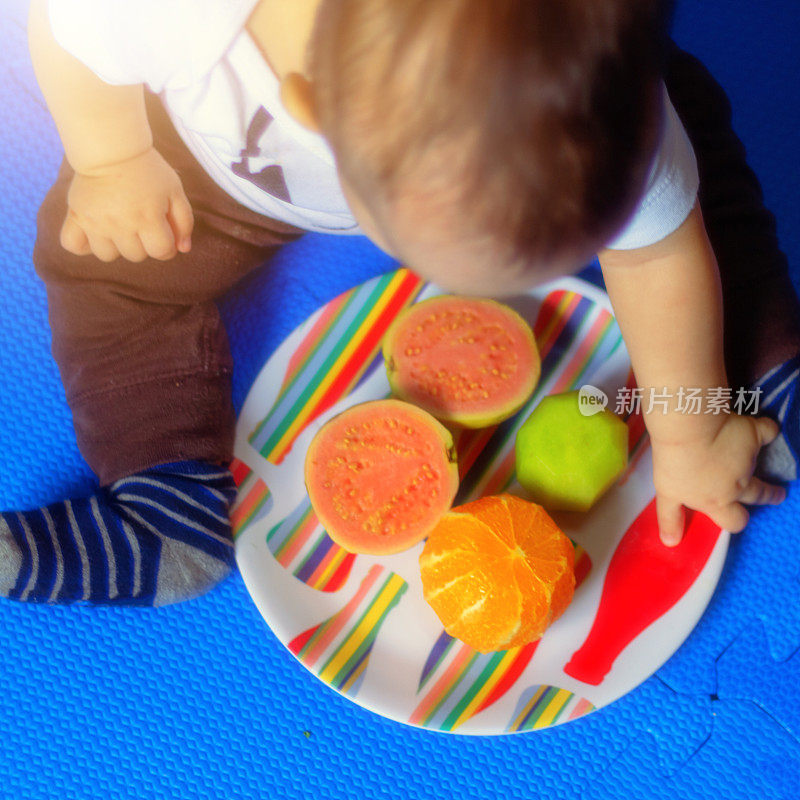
x=489 y=146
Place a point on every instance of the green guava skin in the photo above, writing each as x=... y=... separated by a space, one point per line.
x=568 y=461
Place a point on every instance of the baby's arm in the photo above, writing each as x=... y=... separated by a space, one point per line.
x=124 y=199
x=668 y=301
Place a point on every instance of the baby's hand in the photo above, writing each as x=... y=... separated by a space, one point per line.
x=136 y=208
x=713 y=474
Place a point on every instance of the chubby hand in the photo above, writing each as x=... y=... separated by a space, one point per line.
x=713 y=474
x=134 y=209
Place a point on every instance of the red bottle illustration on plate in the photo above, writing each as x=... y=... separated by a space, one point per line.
x=644 y=580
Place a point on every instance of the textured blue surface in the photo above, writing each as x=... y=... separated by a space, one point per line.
x=201 y=701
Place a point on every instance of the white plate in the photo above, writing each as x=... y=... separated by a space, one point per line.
x=360 y=623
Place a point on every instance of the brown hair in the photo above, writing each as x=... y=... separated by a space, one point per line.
x=555 y=100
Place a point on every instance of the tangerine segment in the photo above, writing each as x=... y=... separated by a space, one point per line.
x=560 y=576
x=484 y=611
x=497 y=571
x=536 y=604
x=550 y=553
x=494 y=513
x=465 y=532
x=476 y=603
x=535 y=530
x=467 y=578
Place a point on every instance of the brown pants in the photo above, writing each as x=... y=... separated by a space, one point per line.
x=144 y=356
x=141 y=347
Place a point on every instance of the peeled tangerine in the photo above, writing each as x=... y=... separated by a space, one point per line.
x=468 y=361
x=497 y=572
x=566 y=460
x=380 y=475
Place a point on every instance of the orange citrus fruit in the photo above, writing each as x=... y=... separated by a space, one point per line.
x=497 y=572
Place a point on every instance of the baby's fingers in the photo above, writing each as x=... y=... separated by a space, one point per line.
x=181 y=219
x=759 y=493
x=670 y=516
x=130 y=247
x=158 y=240
x=73 y=239
x=767 y=429
x=103 y=248
x=733 y=517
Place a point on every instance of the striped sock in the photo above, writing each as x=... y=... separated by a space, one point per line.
x=156 y=537
x=780 y=399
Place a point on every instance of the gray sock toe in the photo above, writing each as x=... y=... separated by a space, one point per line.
x=186 y=572
x=776 y=462
x=10 y=560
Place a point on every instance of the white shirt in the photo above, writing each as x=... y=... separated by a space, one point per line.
x=670 y=191
x=224 y=101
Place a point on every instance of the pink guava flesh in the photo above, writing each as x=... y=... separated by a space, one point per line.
x=380 y=475
x=470 y=361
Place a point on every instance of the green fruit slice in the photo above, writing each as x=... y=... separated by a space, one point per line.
x=566 y=460
x=380 y=475
x=468 y=361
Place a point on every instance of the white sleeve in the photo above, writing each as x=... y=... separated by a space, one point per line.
x=671 y=188
x=161 y=43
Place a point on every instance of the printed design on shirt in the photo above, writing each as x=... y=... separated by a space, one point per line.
x=269 y=179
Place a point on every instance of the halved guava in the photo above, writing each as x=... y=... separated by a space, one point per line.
x=380 y=475
x=566 y=460
x=468 y=361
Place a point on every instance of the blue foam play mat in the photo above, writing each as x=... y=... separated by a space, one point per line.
x=201 y=700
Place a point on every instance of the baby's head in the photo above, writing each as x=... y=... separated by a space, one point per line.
x=490 y=144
